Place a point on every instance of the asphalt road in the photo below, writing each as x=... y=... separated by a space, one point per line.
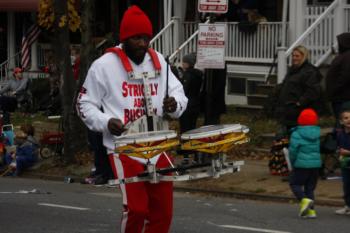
x=38 y=206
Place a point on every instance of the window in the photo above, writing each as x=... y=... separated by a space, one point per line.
x=237 y=86
x=252 y=86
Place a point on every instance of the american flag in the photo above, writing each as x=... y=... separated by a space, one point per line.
x=27 y=40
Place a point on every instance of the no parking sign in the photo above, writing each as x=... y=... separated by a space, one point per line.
x=211 y=46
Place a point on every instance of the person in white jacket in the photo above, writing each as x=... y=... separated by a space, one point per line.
x=112 y=84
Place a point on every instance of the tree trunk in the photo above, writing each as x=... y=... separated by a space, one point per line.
x=71 y=124
x=115 y=11
x=87 y=54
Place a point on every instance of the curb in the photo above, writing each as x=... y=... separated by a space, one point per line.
x=254 y=196
x=238 y=195
x=42 y=176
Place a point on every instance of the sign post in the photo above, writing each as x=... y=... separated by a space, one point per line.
x=211 y=57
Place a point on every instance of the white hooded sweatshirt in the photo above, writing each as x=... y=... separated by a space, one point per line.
x=107 y=85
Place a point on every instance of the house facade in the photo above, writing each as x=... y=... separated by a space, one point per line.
x=252 y=58
x=15 y=14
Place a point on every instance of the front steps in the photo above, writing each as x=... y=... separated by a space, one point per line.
x=258 y=98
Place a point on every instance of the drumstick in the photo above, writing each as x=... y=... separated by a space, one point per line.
x=167 y=77
x=171 y=164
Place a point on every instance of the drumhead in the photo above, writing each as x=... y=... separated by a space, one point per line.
x=214 y=130
x=145 y=137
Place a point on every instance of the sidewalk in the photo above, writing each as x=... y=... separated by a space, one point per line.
x=252 y=182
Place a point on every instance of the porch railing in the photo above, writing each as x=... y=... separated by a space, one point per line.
x=4 y=67
x=320 y=40
x=16 y=59
x=167 y=40
x=3 y=71
x=259 y=46
x=319 y=37
x=190 y=45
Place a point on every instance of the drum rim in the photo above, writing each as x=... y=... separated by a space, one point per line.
x=230 y=128
x=127 y=139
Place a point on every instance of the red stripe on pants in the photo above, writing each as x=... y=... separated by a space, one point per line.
x=147 y=206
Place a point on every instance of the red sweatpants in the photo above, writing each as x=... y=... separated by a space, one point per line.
x=148 y=207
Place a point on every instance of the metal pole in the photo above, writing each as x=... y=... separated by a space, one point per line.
x=209 y=88
x=208 y=96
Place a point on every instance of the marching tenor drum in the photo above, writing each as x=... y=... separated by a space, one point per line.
x=214 y=139
x=147 y=144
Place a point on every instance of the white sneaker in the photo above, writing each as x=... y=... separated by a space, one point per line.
x=13 y=164
x=343 y=211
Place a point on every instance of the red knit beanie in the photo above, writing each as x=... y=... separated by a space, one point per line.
x=135 y=22
x=308 y=117
x=17 y=70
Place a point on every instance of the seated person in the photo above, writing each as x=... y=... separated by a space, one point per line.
x=26 y=153
x=15 y=91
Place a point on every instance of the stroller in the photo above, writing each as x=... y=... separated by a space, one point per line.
x=278 y=163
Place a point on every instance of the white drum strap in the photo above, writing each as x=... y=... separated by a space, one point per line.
x=144 y=75
x=147 y=93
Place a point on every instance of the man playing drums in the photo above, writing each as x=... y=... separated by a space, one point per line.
x=127 y=82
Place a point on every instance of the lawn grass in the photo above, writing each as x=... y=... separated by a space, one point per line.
x=18 y=118
x=257 y=122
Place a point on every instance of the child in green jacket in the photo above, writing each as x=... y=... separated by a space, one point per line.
x=343 y=141
x=304 y=153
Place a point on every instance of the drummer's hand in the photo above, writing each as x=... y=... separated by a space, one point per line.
x=115 y=126
x=169 y=104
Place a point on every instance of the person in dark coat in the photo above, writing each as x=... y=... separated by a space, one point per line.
x=192 y=82
x=214 y=95
x=300 y=89
x=338 y=76
x=192 y=79
x=103 y=170
x=14 y=92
